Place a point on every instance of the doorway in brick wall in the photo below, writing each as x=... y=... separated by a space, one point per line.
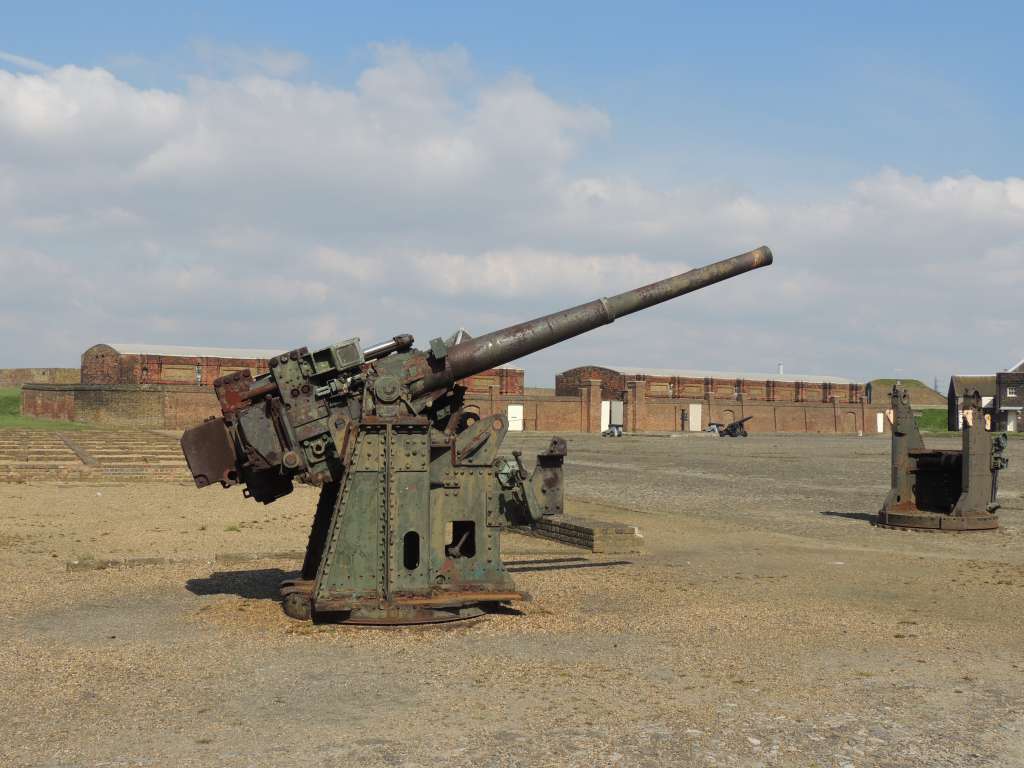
x=695 y=418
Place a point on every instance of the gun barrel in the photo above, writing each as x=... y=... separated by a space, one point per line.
x=499 y=347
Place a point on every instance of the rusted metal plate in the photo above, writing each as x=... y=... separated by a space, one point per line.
x=210 y=454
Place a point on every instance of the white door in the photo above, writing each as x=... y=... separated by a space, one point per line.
x=606 y=414
x=695 y=417
x=615 y=413
x=515 y=418
x=880 y=422
x=1011 y=421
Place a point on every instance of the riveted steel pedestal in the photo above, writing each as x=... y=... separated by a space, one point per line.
x=936 y=521
x=442 y=606
x=944 y=490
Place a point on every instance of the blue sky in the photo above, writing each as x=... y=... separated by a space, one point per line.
x=896 y=124
x=823 y=91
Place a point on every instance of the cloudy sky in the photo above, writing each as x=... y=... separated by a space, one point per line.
x=251 y=176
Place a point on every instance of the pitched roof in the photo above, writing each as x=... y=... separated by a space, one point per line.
x=985 y=384
x=168 y=350
x=693 y=374
x=1019 y=367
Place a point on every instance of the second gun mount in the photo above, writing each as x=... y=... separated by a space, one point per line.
x=732 y=429
x=414 y=493
x=943 y=490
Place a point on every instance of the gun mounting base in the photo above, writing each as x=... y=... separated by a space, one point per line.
x=435 y=608
x=936 y=521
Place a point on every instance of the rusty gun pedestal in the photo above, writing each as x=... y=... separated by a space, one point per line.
x=943 y=490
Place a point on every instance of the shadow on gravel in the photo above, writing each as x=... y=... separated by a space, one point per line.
x=265 y=583
x=558 y=565
x=851 y=515
x=262 y=584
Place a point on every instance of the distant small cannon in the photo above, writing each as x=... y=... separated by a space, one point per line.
x=732 y=429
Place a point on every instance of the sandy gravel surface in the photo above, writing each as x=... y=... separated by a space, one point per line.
x=766 y=624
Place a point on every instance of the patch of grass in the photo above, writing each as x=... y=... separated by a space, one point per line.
x=11 y=418
x=921 y=395
x=10 y=402
x=932 y=420
x=903 y=382
x=232 y=529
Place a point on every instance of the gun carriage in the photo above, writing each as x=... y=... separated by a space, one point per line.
x=414 y=493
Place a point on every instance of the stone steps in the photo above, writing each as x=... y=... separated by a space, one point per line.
x=595 y=535
x=38 y=455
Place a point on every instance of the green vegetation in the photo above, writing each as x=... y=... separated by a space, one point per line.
x=11 y=418
x=932 y=420
x=909 y=383
x=921 y=395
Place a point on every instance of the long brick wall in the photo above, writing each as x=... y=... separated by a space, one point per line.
x=153 y=406
x=582 y=412
x=509 y=381
x=101 y=364
x=15 y=377
x=614 y=383
x=180 y=406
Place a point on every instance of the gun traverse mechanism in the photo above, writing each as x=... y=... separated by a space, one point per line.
x=943 y=490
x=413 y=491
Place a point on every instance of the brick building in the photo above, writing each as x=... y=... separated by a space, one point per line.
x=1008 y=403
x=508 y=380
x=667 y=400
x=1002 y=399
x=16 y=377
x=169 y=388
x=142 y=385
x=768 y=387
x=157 y=364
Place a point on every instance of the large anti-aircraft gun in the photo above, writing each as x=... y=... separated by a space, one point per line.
x=414 y=494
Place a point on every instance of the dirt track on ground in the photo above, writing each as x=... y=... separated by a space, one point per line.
x=767 y=623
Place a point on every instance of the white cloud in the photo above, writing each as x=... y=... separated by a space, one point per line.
x=250 y=208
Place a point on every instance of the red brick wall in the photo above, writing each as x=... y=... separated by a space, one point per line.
x=614 y=383
x=101 y=364
x=160 y=369
x=48 y=404
x=647 y=414
x=180 y=406
x=541 y=413
x=151 y=406
x=509 y=381
x=568 y=383
x=688 y=387
x=183 y=409
x=15 y=377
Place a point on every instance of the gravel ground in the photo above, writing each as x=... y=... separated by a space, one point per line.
x=767 y=623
